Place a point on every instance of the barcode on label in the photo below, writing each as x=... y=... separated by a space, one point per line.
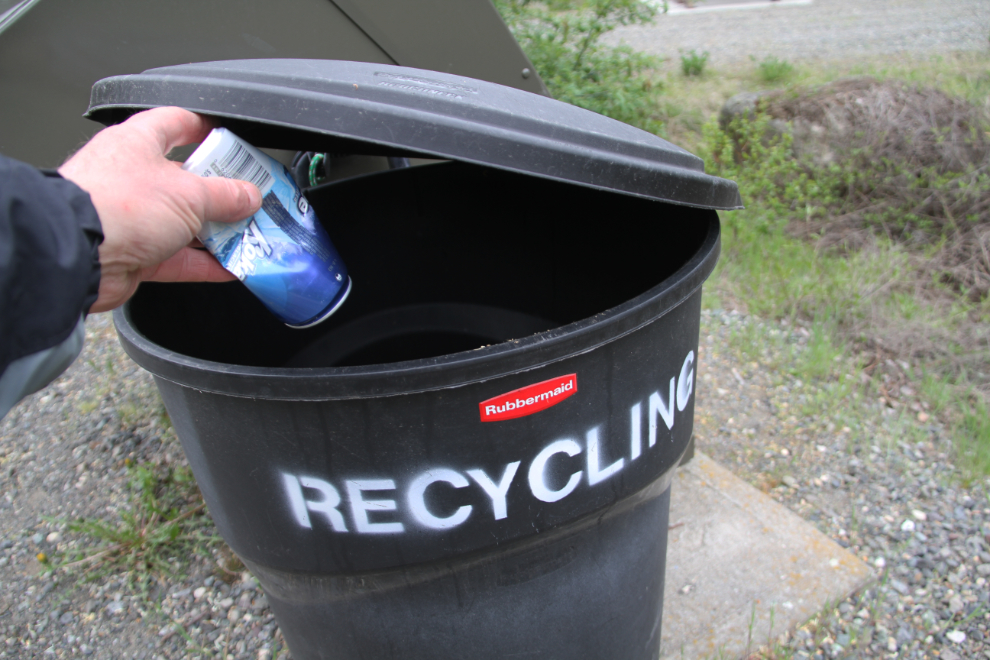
x=238 y=163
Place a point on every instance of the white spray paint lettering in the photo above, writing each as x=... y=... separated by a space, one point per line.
x=379 y=516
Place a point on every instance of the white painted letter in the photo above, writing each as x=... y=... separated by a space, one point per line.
x=594 y=474
x=296 y=501
x=537 y=477
x=635 y=431
x=418 y=506
x=497 y=492
x=685 y=382
x=328 y=505
x=360 y=506
x=665 y=410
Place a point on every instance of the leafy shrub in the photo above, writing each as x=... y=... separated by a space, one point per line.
x=563 y=41
x=773 y=70
x=693 y=63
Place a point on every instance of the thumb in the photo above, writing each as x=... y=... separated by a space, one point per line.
x=228 y=200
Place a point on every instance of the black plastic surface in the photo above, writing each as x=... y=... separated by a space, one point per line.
x=420 y=259
x=357 y=107
x=311 y=472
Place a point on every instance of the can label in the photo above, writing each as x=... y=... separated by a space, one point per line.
x=281 y=253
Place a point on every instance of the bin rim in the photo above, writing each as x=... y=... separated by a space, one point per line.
x=414 y=376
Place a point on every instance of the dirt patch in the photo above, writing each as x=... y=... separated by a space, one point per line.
x=911 y=165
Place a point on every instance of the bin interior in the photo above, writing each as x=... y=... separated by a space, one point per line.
x=444 y=258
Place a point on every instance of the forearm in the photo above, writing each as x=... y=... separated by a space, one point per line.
x=49 y=276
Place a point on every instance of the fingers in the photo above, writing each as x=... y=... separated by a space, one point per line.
x=172 y=127
x=189 y=265
x=228 y=200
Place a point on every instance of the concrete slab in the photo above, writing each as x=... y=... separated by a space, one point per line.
x=735 y=556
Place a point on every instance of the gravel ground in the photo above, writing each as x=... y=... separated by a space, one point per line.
x=64 y=454
x=874 y=474
x=825 y=29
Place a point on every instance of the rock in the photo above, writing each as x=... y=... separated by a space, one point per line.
x=740 y=105
x=899 y=587
x=907 y=526
x=790 y=481
x=233 y=614
x=956 y=604
x=37 y=539
x=956 y=636
x=225 y=603
x=949 y=654
x=983 y=569
x=199 y=593
x=53 y=538
x=116 y=607
x=66 y=618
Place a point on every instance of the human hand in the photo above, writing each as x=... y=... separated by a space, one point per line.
x=150 y=209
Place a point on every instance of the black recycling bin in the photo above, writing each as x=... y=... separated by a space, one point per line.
x=472 y=458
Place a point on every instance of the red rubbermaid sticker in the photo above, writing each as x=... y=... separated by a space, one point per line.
x=528 y=400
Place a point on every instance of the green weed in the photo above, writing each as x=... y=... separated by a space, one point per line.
x=774 y=70
x=165 y=522
x=693 y=63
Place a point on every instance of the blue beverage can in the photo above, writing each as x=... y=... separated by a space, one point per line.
x=281 y=253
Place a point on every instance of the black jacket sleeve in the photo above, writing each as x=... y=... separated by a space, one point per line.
x=49 y=264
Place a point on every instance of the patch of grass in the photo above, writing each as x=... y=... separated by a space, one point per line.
x=693 y=63
x=874 y=298
x=774 y=70
x=165 y=523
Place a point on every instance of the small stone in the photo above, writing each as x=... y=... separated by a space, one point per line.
x=66 y=618
x=919 y=515
x=264 y=654
x=956 y=604
x=3 y=561
x=790 y=481
x=115 y=607
x=892 y=645
x=880 y=562
x=956 y=636
x=225 y=603
x=907 y=526
x=53 y=538
x=948 y=654
x=208 y=582
x=37 y=539
x=54 y=615
x=923 y=416
x=899 y=587
x=233 y=614
x=983 y=569
x=199 y=593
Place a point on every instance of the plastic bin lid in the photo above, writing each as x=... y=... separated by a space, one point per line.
x=366 y=108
